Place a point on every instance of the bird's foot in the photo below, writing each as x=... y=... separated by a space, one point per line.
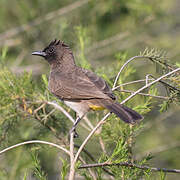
x=75 y=134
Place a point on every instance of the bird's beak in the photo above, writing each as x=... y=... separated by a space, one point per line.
x=39 y=53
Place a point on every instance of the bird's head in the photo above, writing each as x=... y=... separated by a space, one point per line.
x=53 y=52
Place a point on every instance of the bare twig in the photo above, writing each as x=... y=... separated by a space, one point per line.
x=102 y=145
x=72 y=164
x=88 y=122
x=128 y=83
x=66 y=113
x=33 y=142
x=149 y=84
x=144 y=94
x=62 y=110
x=90 y=170
x=46 y=116
x=93 y=159
x=131 y=165
x=124 y=65
x=89 y=136
x=166 y=84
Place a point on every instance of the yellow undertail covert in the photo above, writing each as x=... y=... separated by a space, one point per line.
x=96 y=108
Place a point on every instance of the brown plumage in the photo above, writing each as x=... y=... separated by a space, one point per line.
x=81 y=89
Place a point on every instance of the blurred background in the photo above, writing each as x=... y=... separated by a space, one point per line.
x=100 y=29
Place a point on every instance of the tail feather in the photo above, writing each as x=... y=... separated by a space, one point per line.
x=126 y=114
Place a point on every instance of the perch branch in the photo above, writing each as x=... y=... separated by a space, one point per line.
x=131 y=165
x=35 y=141
x=66 y=114
x=72 y=164
x=62 y=110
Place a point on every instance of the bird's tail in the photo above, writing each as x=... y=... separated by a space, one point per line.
x=126 y=114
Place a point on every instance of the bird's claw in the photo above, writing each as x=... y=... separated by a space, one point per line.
x=75 y=134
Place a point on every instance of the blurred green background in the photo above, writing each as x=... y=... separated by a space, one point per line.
x=108 y=27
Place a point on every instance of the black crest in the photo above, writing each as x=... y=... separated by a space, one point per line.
x=55 y=43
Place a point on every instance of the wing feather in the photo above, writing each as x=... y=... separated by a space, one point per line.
x=100 y=83
x=74 y=86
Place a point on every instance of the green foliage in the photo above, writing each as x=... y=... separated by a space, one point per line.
x=96 y=31
x=162 y=176
x=83 y=40
x=38 y=172
x=21 y=99
x=64 y=169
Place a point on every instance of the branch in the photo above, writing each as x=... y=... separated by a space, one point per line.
x=90 y=171
x=92 y=158
x=72 y=164
x=35 y=141
x=67 y=114
x=131 y=82
x=149 y=84
x=131 y=165
x=107 y=115
x=62 y=110
x=144 y=94
x=124 y=65
x=89 y=136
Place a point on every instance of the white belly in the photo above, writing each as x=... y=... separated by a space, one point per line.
x=79 y=107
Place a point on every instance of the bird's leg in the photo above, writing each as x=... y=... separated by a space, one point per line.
x=73 y=129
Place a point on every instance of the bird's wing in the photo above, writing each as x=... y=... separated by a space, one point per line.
x=99 y=83
x=79 y=85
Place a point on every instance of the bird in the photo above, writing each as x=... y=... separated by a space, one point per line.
x=81 y=89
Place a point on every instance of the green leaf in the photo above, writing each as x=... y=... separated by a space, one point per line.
x=65 y=168
x=45 y=80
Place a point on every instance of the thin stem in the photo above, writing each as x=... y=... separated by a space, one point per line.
x=149 y=84
x=35 y=141
x=102 y=145
x=62 y=110
x=124 y=65
x=90 y=171
x=89 y=136
x=93 y=159
x=128 y=83
x=144 y=94
x=107 y=115
x=132 y=165
x=57 y=106
x=72 y=165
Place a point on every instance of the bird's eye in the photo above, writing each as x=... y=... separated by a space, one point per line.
x=50 y=50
